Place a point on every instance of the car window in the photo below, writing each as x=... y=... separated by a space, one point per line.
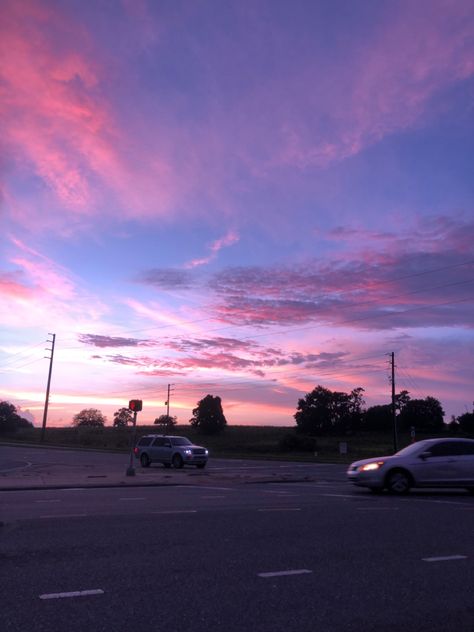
x=466 y=447
x=159 y=441
x=167 y=443
x=181 y=441
x=144 y=441
x=446 y=448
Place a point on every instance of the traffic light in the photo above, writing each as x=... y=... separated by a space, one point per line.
x=135 y=405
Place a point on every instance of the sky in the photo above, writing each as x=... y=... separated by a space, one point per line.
x=243 y=198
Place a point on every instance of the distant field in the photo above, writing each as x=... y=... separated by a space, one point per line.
x=235 y=441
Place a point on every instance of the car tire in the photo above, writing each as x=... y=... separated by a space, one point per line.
x=144 y=460
x=201 y=466
x=177 y=461
x=398 y=482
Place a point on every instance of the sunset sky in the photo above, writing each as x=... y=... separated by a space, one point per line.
x=245 y=198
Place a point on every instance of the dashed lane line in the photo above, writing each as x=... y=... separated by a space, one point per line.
x=81 y=515
x=299 y=571
x=444 y=558
x=74 y=593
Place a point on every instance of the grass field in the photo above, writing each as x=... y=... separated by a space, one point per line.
x=234 y=441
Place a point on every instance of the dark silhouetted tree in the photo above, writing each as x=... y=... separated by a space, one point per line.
x=323 y=411
x=10 y=420
x=466 y=423
x=89 y=417
x=122 y=418
x=424 y=414
x=378 y=418
x=208 y=417
x=166 y=421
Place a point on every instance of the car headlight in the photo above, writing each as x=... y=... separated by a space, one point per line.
x=188 y=452
x=206 y=452
x=371 y=466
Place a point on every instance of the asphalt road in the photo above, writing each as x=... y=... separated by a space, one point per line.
x=317 y=556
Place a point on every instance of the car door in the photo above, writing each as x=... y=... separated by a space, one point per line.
x=167 y=450
x=156 y=449
x=465 y=462
x=440 y=465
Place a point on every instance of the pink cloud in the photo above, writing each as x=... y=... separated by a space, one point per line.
x=230 y=238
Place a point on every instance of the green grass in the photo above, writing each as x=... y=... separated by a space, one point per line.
x=234 y=441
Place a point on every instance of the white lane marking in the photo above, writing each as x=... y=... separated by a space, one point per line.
x=48 y=501
x=18 y=467
x=81 y=515
x=339 y=495
x=429 y=500
x=74 y=593
x=175 y=511
x=132 y=498
x=281 y=509
x=300 y=571
x=444 y=558
x=377 y=508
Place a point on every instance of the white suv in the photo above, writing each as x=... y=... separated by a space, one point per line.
x=169 y=450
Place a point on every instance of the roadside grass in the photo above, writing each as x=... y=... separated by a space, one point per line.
x=234 y=442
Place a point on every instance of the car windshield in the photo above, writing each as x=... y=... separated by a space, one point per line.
x=181 y=441
x=413 y=448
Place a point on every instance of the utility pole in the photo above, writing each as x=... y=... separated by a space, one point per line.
x=394 y=411
x=168 y=407
x=46 y=401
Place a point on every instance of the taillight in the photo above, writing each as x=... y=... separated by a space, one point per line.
x=135 y=451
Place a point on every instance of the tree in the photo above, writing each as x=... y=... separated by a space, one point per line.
x=323 y=411
x=466 y=423
x=208 y=417
x=378 y=418
x=122 y=418
x=89 y=417
x=424 y=414
x=166 y=421
x=10 y=420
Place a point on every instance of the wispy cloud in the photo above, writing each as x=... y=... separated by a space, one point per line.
x=230 y=238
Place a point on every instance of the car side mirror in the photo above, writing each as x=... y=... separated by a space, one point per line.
x=425 y=455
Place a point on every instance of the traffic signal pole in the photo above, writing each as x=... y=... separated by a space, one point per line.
x=135 y=405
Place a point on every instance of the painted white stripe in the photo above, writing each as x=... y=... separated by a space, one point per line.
x=82 y=515
x=48 y=501
x=445 y=558
x=75 y=593
x=301 y=571
x=339 y=495
x=130 y=498
x=176 y=511
x=377 y=508
x=281 y=509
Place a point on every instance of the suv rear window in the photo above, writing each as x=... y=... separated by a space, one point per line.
x=144 y=441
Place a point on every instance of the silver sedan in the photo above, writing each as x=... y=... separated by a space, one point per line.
x=428 y=463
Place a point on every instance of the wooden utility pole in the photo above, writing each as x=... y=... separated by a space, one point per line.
x=394 y=410
x=46 y=402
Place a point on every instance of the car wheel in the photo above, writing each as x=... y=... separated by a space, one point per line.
x=144 y=460
x=398 y=482
x=177 y=461
x=201 y=466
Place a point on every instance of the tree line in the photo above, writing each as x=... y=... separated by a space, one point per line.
x=320 y=412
